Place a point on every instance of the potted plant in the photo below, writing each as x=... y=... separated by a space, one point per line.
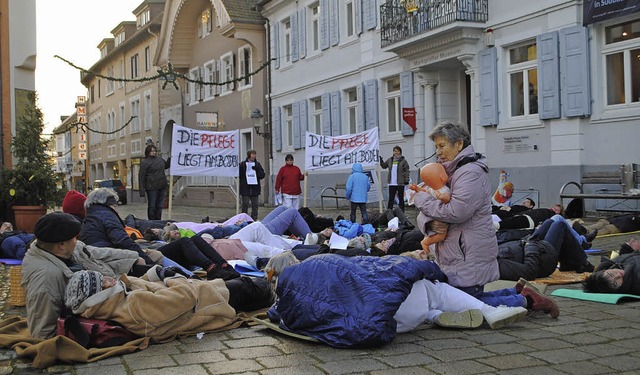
x=31 y=186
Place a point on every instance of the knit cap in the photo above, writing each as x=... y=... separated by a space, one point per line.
x=82 y=285
x=73 y=203
x=56 y=227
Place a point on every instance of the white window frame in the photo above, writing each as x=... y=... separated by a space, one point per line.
x=119 y=39
x=121 y=74
x=147 y=58
x=111 y=125
x=123 y=149
x=350 y=123
x=109 y=87
x=314 y=29
x=123 y=120
x=315 y=106
x=392 y=99
x=625 y=47
x=134 y=66
x=522 y=68
x=136 y=147
x=194 y=88
x=287 y=41
x=148 y=111
x=205 y=23
x=348 y=23
x=134 y=125
x=287 y=136
x=111 y=151
x=209 y=76
x=226 y=71
x=245 y=67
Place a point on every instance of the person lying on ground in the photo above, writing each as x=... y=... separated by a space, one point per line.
x=189 y=228
x=504 y=212
x=102 y=225
x=538 y=255
x=382 y=219
x=51 y=261
x=163 y=308
x=13 y=243
x=618 y=275
x=392 y=294
x=529 y=219
x=616 y=224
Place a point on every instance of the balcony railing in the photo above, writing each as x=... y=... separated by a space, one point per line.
x=403 y=19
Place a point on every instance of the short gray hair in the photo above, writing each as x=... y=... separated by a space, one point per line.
x=452 y=132
x=99 y=196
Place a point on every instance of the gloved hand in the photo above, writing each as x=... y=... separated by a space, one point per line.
x=381 y=159
x=164 y=272
x=253 y=167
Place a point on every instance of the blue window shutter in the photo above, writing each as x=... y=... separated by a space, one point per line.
x=275 y=50
x=358 y=15
x=324 y=24
x=304 y=122
x=295 y=122
x=360 y=110
x=370 y=14
x=277 y=128
x=488 y=66
x=293 y=18
x=325 y=100
x=370 y=104
x=548 y=76
x=302 y=27
x=574 y=71
x=406 y=98
x=335 y=23
x=336 y=125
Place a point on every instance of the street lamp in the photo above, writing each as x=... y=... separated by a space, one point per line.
x=257 y=117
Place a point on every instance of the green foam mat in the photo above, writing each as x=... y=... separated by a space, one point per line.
x=594 y=297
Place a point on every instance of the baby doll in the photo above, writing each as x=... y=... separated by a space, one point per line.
x=435 y=178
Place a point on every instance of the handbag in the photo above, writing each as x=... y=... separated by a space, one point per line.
x=94 y=333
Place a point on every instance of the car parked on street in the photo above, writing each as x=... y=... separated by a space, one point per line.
x=115 y=185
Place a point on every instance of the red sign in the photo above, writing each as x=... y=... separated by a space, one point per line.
x=409 y=117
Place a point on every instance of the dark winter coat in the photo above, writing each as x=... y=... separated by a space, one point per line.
x=246 y=189
x=403 y=170
x=151 y=176
x=630 y=263
x=533 y=259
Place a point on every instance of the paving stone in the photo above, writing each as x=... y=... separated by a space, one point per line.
x=561 y=355
x=507 y=348
x=289 y=360
x=328 y=354
x=353 y=366
x=606 y=350
x=404 y=371
x=250 y=342
x=582 y=368
x=460 y=368
x=199 y=357
x=459 y=354
x=235 y=366
x=492 y=337
x=536 y=370
x=191 y=370
x=102 y=362
x=293 y=370
x=137 y=363
x=6 y=370
x=504 y=362
x=410 y=359
x=621 y=363
x=585 y=339
x=547 y=344
x=101 y=370
x=449 y=343
x=264 y=351
x=156 y=350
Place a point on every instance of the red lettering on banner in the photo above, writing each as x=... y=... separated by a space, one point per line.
x=343 y=143
x=218 y=141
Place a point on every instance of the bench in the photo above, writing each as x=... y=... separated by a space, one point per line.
x=337 y=192
x=626 y=177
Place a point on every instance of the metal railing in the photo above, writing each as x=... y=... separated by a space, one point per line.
x=397 y=23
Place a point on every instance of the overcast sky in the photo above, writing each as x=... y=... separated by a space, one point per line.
x=71 y=29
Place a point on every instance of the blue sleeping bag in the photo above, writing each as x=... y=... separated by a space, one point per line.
x=347 y=301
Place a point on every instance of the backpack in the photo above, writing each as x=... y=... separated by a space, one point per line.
x=94 y=333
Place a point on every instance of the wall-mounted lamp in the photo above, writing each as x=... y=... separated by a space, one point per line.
x=489 y=39
x=257 y=117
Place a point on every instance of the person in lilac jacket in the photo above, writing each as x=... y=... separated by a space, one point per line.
x=468 y=255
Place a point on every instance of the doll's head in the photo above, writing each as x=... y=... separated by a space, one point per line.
x=434 y=175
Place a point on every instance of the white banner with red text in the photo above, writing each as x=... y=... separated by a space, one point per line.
x=325 y=152
x=196 y=152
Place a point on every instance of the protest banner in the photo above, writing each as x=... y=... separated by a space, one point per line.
x=341 y=152
x=196 y=152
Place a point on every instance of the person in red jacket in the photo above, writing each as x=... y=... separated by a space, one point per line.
x=288 y=183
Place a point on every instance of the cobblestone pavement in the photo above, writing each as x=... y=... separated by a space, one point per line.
x=587 y=338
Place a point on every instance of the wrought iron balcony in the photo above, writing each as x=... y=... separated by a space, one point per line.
x=403 y=19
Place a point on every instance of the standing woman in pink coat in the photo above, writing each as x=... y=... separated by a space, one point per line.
x=468 y=254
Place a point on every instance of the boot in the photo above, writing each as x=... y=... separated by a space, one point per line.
x=501 y=316
x=579 y=228
x=591 y=235
x=465 y=319
x=536 y=301
x=522 y=283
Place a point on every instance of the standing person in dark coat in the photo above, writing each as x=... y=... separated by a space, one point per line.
x=398 y=176
x=153 y=181
x=250 y=183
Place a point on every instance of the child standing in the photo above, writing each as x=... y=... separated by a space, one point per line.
x=357 y=187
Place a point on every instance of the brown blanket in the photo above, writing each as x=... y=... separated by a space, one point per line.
x=14 y=334
x=561 y=278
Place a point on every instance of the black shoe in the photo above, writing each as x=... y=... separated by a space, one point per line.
x=408 y=226
x=586 y=245
x=340 y=217
x=591 y=235
x=579 y=228
x=205 y=219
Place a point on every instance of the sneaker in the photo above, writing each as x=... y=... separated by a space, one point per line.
x=503 y=315
x=311 y=239
x=537 y=301
x=465 y=319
